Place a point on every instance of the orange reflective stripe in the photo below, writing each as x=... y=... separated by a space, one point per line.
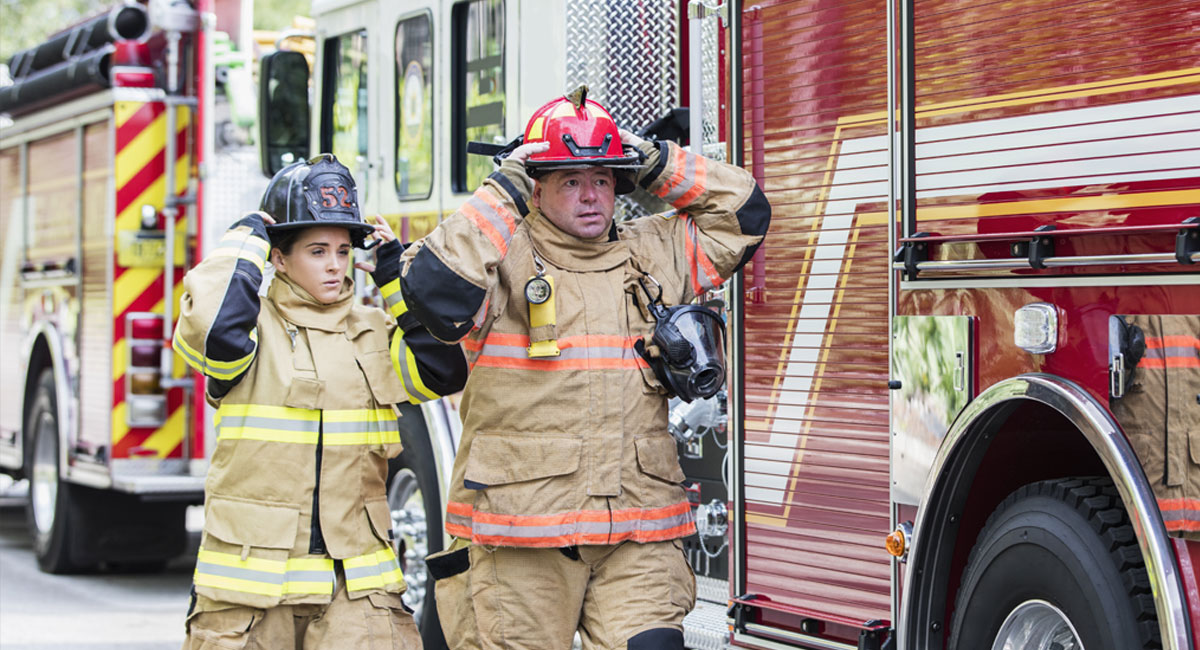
x=1180 y=514
x=581 y=352
x=678 y=174
x=698 y=184
x=571 y=528
x=491 y=217
x=1174 y=341
x=1175 y=351
x=698 y=261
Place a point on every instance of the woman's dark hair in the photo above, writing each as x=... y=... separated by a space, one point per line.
x=285 y=239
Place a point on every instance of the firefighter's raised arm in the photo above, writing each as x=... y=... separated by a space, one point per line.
x=448 y=276
x=216 y=333
x=429 y=368
x=721 y=217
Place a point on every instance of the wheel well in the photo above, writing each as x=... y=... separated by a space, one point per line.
x=39 y=360
x=1020 y=442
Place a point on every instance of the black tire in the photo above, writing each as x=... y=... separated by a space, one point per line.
x=1066 y=543
x=77 y=528
x=415 y=471
x=51 y=511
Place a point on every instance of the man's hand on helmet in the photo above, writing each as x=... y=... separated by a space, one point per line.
x=523 y=152
x=630 y=139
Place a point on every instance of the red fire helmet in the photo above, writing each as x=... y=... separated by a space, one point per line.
x=581 y=134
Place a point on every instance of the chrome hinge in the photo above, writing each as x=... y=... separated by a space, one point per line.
x=701 y=9
x=1116 y=376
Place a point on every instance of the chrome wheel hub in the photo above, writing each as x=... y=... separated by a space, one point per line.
x=43 y=484
x=1037 y=625
x=411 y=530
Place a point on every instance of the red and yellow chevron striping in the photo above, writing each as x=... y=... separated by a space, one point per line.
x=140 y=179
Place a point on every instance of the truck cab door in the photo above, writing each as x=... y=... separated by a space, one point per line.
x=348 y=75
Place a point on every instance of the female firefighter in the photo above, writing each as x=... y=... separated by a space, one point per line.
x=296 y=550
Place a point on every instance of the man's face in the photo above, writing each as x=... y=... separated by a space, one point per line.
x=578 y=201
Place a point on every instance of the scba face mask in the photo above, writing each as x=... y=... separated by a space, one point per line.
x=689 y=341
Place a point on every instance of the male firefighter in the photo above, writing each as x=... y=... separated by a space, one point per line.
x=297 y=546
x=565 y=496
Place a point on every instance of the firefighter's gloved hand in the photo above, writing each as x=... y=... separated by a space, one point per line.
x=630 y=139
x=523 y=152
x=257 y=222
x=387 y=263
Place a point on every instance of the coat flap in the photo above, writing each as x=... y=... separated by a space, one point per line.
x=499 y=458
x=380 y=516
x=253 y=524
x=658 y=456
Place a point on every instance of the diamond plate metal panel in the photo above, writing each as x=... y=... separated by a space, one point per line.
x=626 y=51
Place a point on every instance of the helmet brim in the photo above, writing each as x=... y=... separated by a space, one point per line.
x=358 y=230
x=624 y=169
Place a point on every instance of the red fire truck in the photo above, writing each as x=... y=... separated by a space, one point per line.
x=965 y=361
x=107 y=139
x=985 y=214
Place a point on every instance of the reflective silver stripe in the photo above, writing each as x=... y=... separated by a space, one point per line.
x=262 y=577
x=309 y=576
x=372 y=571
x=565 y=353
x=362 y=426
x=402 y=358
x=685 y=185
x=393 y=298
x=264 y=422
x=493 y=217
x=1173 y=351
x=680 y=519
x=621 y=528
x=457 y=519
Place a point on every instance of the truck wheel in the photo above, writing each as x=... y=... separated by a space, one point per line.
x=1056 y=566
x=415 y=502
x=49 y=507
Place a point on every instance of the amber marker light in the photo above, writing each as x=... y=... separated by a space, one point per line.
x=897 y=541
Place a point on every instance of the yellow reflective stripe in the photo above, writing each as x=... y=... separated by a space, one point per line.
x=305 y=426
x=358 y=415
x=406 y=369
x=216 y=369
x=234 y=560
x=394 y=299
x=265 y=577
x=373 y=570
x=236 y=584
x=279 y=412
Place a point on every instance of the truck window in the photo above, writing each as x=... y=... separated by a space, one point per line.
x=478 y=94
x=414 y=107
x=344 y=103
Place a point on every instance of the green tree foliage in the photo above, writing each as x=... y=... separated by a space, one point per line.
x=278 y=14
x=25 y=23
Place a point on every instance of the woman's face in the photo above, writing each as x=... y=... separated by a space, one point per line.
x=317 y=262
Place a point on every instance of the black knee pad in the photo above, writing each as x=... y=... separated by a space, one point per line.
x=662 y=638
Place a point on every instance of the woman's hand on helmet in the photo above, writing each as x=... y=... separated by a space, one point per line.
x=383 y=232
x=523 y=152
x=267 y=219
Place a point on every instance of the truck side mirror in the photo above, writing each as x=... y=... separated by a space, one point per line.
x=283 y=101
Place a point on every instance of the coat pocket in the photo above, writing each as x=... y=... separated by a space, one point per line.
x=501 y=458
x=244 y=554
x=380 y=516
x=658 y=456
x=381 y=377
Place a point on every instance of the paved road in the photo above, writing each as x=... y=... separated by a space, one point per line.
x=102 y=611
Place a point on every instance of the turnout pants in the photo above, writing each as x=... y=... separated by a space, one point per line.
x=377 y=621
x=622 y=596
